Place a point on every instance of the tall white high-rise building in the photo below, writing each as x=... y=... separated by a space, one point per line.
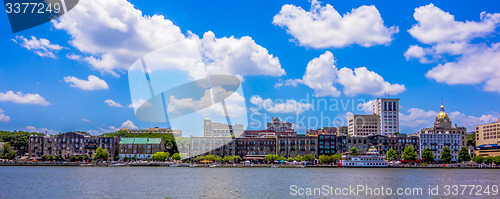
x=388 y=109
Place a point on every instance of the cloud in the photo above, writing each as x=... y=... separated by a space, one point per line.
x=322 y=76
x=39 y=130
x=280 y=106
x=3 y=117
x=112 y=34
x=324 y=27
x=367 y=107
x=112 y=103
x=417 y=118
x=470 y=122
x=93 y=83
x=41 y=47
x=239 y=57
x=235 y=104
x=445 y=36
x=20 y=98
x=85 y=120
x=128 y=125
x=436 y=26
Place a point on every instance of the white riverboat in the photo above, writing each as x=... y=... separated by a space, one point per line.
x=370 y=159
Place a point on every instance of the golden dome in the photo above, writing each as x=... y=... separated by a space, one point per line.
x=442 y=115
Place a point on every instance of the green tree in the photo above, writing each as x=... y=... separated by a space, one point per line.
x=409 y=153
x=326 y=159
x=391 y=155
x=463 y=154
x=44 y=158
x=446 y=154
x=354 y=150
x=309 y=158
x=488 y=160
x=7 y=152
x=125 y=158
x=176 y=156
x=227 y=159
x=72 y=158
x=57 y=157
x=290 y=159
x=50 y=158
x=158 y=156
x=337 y=157
x=271 y=157
x=496 y=160
x=299 y=158
x=217 y=159
x=101 y=154
x=427 y=155
x=236 y=158
x=471 y=139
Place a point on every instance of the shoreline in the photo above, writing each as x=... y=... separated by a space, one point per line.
x=167 y=164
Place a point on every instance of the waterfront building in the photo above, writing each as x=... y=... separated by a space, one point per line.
x=221 y=129
x=140 y=148
x=255 y=149
x=324 y=130
x=327 y=143
x=487 y=139
x=291 y=146
x=363 y=125
x=217 y=146
x=266 y=133
x=280 y=126
x=442 y=134
x=174 y=132
x=343 y=130
x=388 y=110
x=92 y=143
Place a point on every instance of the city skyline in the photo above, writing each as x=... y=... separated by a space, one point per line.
x=56 y=80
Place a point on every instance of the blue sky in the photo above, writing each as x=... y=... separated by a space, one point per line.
x=450 y=49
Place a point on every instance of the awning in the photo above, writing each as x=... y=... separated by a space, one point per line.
x=437 y=159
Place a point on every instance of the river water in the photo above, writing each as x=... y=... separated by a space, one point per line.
x=182 y=182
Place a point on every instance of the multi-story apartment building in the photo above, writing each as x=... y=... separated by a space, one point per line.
x=221 y=129
x=140 y=148
x=291 y=146
x=442 y=134
x=280 y=126
x=255 y=147
x=266 y=133
x=388 y=110
x=68 y=144
x=324 y=130
x=218 y=146
x=343 y=130
x=327 y=143
x=363 y=125
x=175 y=132
x=92 y=143
x=487 y=139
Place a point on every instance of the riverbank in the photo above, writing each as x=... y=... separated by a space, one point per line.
x=171 y=164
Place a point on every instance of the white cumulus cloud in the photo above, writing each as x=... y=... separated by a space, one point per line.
x=324 y=27
x=41 y=46
x=112 y=34
x=323 y=77
x=128 y=125
x=93 y=83
x=39 y=130
x=443 y=35
x=112 y=103
x=3 y=117
x=280 y=106
x=21 y=98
